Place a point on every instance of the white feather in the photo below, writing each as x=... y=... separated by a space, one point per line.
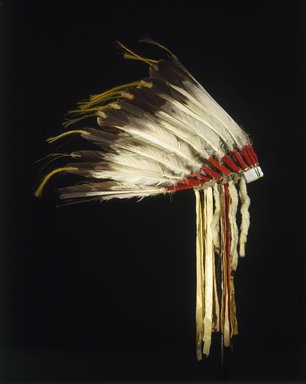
x=119 y=191
x=138 y=163
x=209 y=104
x=169 y=161
x=210 y=141
x=131 y=175
x=193 y=141
x=207 y=120
x=151 y=133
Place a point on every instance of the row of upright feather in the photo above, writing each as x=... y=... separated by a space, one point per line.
x=154 y=136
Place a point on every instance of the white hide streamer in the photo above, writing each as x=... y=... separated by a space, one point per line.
x=216 y=219
x=207 y=306
x=200 y=304
x=233 y=222
x=245 y=216
x=209 y=267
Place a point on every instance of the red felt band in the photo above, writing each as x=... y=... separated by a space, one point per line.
x=254 y=154
x=176 y=188
x=246 y=156
x=219 y=166
x=211 y=173
x=190 y=182
x=239 y=159
x=201 y=177
x=184 y=182
x=250 y=153
x=227 y=160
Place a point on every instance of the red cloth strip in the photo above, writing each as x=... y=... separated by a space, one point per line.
x=219 y=166
x=246 y=156
x=211 y=173
x=228 y=161
x=239 y=159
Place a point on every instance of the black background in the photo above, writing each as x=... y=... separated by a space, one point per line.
x=107 y=291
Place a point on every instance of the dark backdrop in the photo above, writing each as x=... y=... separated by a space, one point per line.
x=107 y=291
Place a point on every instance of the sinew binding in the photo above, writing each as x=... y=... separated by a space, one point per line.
x=162 y=135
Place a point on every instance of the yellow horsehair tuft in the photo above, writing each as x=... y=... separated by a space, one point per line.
x=55 y=138
x=94 y=100
x=93 y=106
x=129 y=54
x=44 y=181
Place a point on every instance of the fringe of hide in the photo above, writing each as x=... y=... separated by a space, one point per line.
x=216 y=219
x=200 y=274
x=233 y=223
x=245 y=216
x=216 y=260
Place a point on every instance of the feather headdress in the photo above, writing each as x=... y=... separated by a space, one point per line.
x=162 y=135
